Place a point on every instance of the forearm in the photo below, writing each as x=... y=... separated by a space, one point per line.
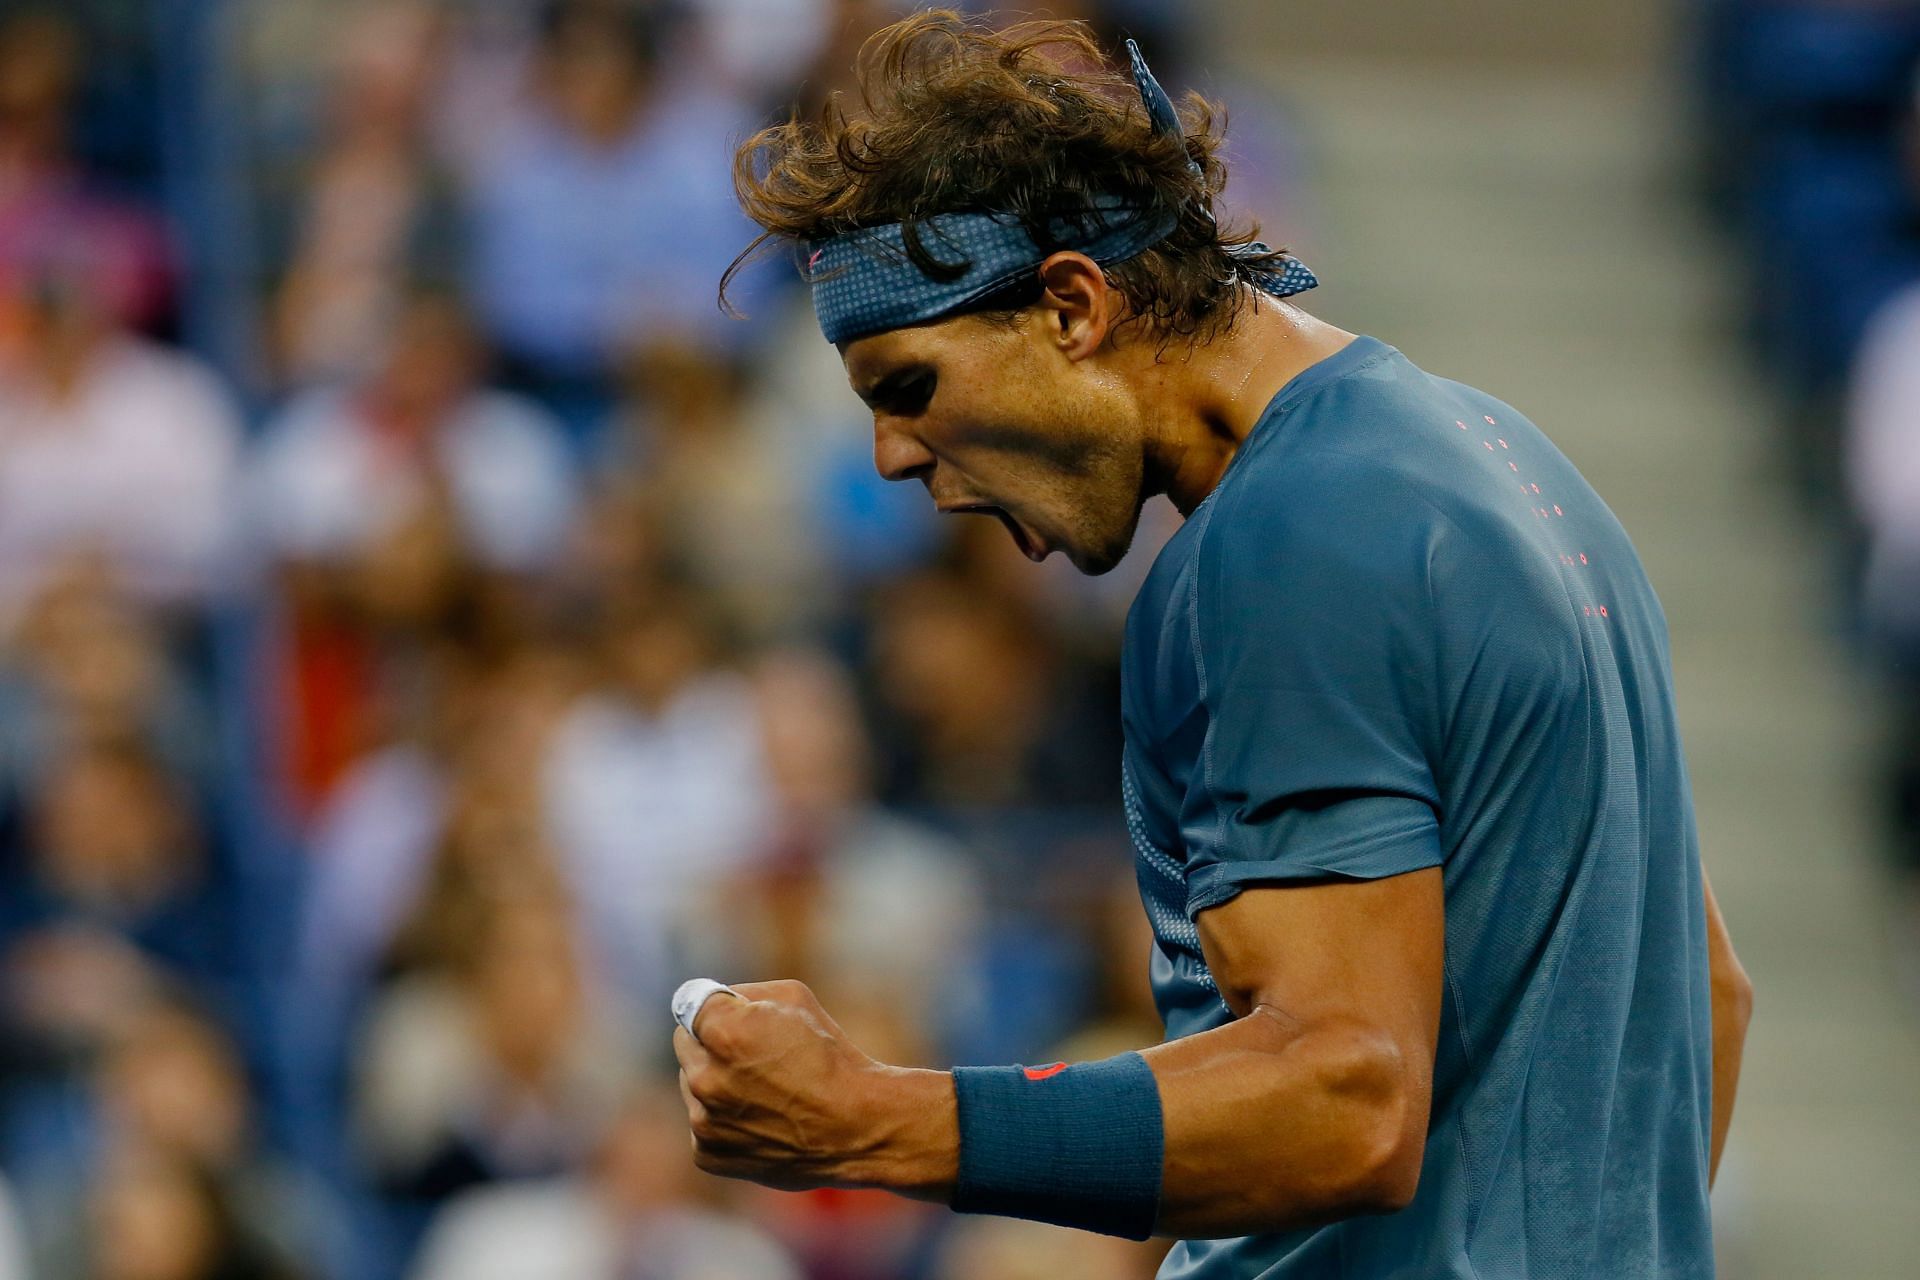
x=1268 y=1125
x=1272 y=1125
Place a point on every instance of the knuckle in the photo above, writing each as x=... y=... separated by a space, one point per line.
x=704 y=1084
x=717 y=1035
x=774 y=990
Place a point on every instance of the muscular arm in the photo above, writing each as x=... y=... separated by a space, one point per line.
x=1732 y=1008
x=1312 y=1105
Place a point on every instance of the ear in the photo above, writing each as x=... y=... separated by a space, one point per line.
x=1079 y=306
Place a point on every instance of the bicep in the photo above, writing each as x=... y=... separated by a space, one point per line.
x=1355 y=952
x=1313 y=1103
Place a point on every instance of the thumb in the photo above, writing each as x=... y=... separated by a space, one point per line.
x=692 y=1000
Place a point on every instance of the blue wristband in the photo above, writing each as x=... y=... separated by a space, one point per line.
x=1077 y=1146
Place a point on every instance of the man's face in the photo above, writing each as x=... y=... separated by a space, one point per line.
x=994 y=419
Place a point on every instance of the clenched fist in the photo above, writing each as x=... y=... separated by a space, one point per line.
x=777 y=1094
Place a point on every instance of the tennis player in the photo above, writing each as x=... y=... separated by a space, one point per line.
x=1445 y=990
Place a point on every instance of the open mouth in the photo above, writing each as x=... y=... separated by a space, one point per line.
x=1030 y=546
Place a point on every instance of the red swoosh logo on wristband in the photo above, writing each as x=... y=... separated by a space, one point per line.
x=1045 y=1073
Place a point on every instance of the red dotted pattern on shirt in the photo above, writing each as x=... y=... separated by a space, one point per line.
x=1551 y=511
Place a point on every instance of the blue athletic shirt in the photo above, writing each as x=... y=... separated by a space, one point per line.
x=1403 y=632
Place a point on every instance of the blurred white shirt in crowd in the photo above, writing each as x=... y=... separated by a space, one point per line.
x=134 y=465
x=1883 y=461
x=372 y=847
x=326 y=481
x=558 y=1231
x=762 y=46
x=648 y=811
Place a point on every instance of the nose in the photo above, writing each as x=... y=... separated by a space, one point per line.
x=897 y=453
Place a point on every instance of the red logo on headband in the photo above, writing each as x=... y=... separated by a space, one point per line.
x=1045 y=1073
x=815 y=258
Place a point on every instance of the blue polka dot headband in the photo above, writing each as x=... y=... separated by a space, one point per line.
x=864 y=281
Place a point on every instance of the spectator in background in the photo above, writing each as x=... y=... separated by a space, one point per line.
x=760 y=49
x=625 y=554
x=691 y=438
x=417 y=503
x=656 y=787
x=1883 y=464
x=171 y=1086
x=601 y=210
x=46 y=195
x=155 y=1215
x=977 y=707
x=114 y=887
x=341 y=466
x=1882 y=460
x=448 y=798
x=502 y=1060
x=83 y=666
x=376 y=205
x=638 y=1208
x=821 y=903
x=111 y=446
x=109 y=900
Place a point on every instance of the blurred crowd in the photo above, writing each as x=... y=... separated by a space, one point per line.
x=430 y=627
x=1812 y=132
x=417 y=658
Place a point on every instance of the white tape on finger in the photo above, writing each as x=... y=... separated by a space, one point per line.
x=693 y=996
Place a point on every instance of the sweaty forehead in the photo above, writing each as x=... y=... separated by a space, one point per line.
x=871 y=359
x=867 y=360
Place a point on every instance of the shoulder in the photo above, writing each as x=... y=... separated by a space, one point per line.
x=1316 y=522
x=1396 y=546
x=1380 y=476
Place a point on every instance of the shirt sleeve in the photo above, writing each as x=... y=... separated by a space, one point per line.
x=1314 y=643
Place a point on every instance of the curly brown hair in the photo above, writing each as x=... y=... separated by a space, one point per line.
x=955 y=115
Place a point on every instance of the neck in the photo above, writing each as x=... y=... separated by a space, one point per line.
x=1204 y=406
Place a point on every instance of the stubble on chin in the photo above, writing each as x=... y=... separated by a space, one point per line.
x=1104 y=549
